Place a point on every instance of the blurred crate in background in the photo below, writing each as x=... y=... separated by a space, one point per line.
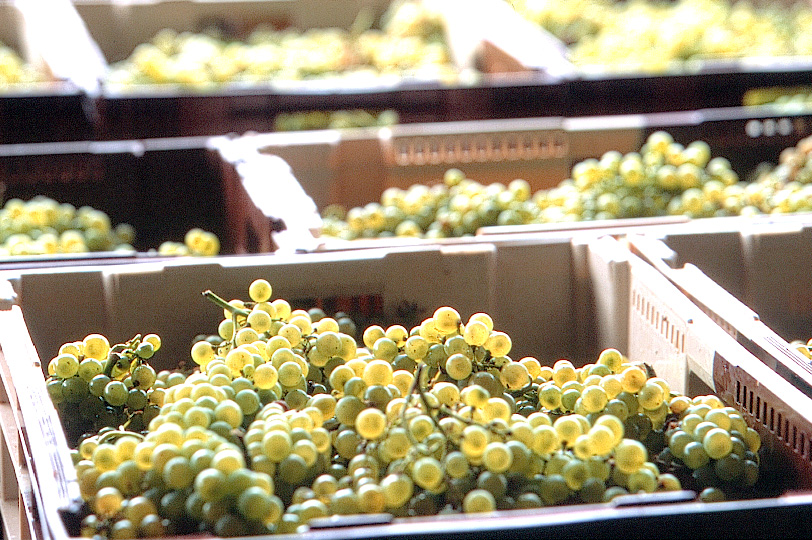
x=354 y=167
x=51 y=109
x=556 y=299
x=670 y=56
x=148 y=110
x=162 y=187
x=750 y=278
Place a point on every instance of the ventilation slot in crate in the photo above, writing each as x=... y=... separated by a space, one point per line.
x=651 y=314
x=775 y=421
x=479 y=149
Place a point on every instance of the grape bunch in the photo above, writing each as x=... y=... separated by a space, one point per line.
x=42 y=226
x=196 y=242
x=410 y=43
x=654 y=37
x=288 y=419
x=663 y=178
x=96 y=386
x=715 y=444
x=15 y=71
x=310 y=120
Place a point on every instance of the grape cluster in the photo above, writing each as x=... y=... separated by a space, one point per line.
x=96 y=386
x=42 y=225
x=196 y=242
x=15 y=71
x=657 y=36
x=715 y=444
x=409 y=44
x=288 y=419
x=310 y=120
x=663 y=178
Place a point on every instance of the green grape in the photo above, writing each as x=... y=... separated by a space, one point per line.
x=228 y=460
x=289 y=373
x=545 y=440
x=568 y=429
x=642 y=479
x=694 y=455
x=74 y=389
x=712 y=494
x=107 y=501
x=497 y=457
x=447 y=320
x=178 y=473
x=89 y=368
x=601 y=440
x=575 y=473
x=427 y=472
x=66 y=366
x=474 y=441
x=650 y=396
x=137 y=400
x=115 y=393
x=554 y=489
x=370 y=423
x=514 y=376
x=260 y=290
x=476 y=333
x=498 y=343
x=458 y=366
x=630 y=455
x=377 y=372
x=594 y=398
x=277 y=445
x=717 y=443
x=550 y=397
x=456 y=464
x=478 y=501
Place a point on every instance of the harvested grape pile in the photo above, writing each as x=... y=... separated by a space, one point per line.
x=15 y=71
x=42 y=226
x=298 y=121
x=663 y=178
x=287 y=419
x=652 y=36
x=409 y=44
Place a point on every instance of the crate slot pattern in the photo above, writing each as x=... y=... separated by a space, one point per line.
x=670 y=331
x=436 y=150
x=768 y=410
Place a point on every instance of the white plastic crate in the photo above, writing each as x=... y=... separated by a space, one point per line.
x=565 y=298
x=751 y=278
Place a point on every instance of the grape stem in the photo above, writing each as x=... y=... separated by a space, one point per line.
x=116 y=433
x=217 y=300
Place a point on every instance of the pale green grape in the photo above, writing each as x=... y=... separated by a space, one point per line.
x=397 y=489
x=630 y=455
x=447 y=320
x=717 y=443
x=458 y=366
x=476 y=333
x=514 y=376
x=115 y=393
x=497 y=457
x=694 y=455
x=370 y=423
x=66 y=366
x=427 y=472
x=260 y=290
x=478 y=501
